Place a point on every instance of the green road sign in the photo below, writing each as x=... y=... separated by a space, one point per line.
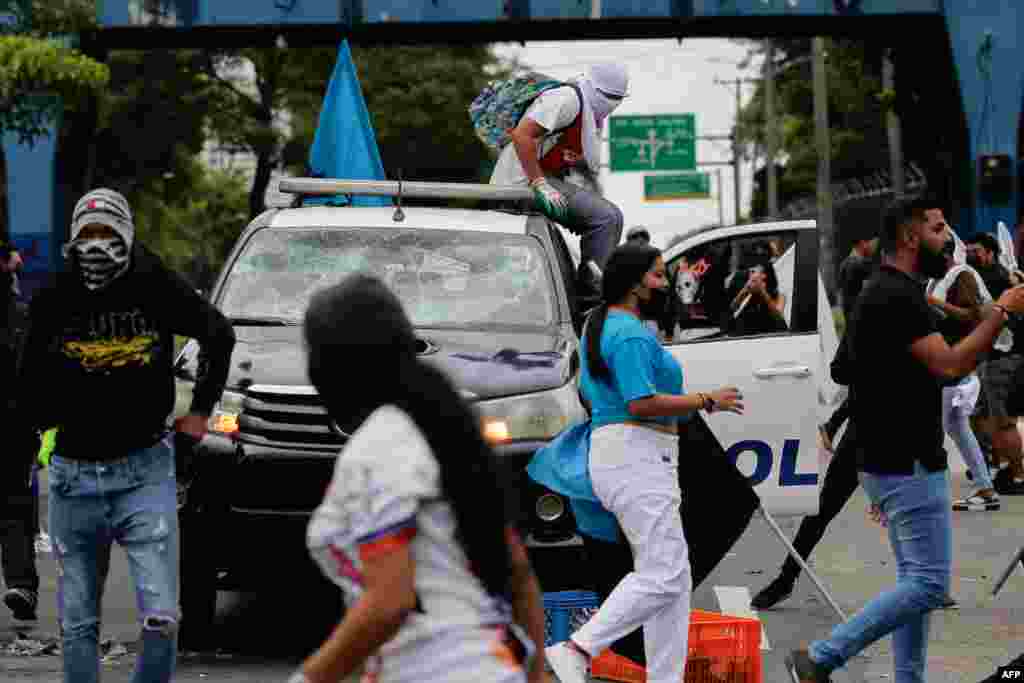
x=664 y=142
x=677 y=186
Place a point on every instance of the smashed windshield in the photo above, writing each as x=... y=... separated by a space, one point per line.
x=443 y=278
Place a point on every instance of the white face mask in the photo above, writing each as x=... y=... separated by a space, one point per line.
x=100 y=260
x=603 y=107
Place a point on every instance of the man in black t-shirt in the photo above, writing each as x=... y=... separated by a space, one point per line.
x=899 y=360
x=855 y=270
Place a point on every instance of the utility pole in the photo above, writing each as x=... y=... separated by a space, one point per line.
x=721 y=199
x=892 y=123
x=738 y=84
x=771 y=131
x=824 y=145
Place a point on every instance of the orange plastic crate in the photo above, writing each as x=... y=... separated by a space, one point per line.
x=722 y=649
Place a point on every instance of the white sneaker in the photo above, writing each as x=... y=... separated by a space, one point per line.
x=568 y=663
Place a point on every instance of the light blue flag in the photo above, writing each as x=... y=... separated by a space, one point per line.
x=344 y=145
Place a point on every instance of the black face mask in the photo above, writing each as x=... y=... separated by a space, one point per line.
x=931 y=264
x=654 y=307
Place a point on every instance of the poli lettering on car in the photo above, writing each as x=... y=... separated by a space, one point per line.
x=783 y=376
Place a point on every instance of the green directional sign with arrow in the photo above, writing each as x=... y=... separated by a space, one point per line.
x=663 y=142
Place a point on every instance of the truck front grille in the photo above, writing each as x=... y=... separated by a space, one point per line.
x=291 y=418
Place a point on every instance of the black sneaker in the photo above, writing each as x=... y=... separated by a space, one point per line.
x=22 y=603
x=1006 y=485
x=774 y=593
x=803 y=669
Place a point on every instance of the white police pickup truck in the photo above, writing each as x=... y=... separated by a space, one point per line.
x=496 y=300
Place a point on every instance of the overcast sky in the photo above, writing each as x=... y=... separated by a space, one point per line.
x=666 y=77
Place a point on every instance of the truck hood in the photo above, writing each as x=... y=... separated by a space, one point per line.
x=482 y=364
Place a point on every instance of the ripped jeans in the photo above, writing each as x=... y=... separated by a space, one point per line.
x=132 y=501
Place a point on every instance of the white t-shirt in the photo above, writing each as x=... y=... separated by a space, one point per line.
x=553 y=109
x=386 y=493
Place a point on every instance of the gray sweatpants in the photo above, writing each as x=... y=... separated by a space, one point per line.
x=596 y=220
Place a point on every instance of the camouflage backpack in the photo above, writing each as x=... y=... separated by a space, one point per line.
x=498 y=108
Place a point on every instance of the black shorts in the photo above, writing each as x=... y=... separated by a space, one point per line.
x=997 y=377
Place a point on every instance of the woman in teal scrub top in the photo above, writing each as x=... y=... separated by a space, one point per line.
x=635 y=389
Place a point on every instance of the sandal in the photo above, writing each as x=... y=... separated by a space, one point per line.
x=977 y=503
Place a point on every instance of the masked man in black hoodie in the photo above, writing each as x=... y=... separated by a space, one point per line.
x=98 y=365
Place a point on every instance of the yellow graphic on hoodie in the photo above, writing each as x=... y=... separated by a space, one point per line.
x=105 y=354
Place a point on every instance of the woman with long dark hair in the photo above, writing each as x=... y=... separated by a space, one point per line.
x=635 y=389
x=414 y=526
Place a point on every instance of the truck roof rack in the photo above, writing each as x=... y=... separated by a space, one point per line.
x=402 y=189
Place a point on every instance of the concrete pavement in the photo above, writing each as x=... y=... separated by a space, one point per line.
x=267 y=634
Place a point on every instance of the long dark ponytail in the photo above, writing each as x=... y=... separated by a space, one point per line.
x=626 y=269
x=362 y=355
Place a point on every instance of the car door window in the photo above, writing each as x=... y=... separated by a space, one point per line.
x=775 y=363
x=740 y=286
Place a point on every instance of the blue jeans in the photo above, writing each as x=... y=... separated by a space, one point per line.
x=918 y=507
x=956 y=420
x=132 y=501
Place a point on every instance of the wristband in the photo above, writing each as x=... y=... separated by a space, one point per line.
x=298 y=677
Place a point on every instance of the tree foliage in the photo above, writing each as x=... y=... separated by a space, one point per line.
x=857 y=107
x=418 y=99
x=36 y=68
x=143 y=128
x=201 y=224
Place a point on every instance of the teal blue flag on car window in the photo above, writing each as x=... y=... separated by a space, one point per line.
x=344 y=145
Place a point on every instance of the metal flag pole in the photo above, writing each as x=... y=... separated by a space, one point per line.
x=1019 y=557
x=803 y=565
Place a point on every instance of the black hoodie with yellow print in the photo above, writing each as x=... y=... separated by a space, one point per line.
x=99 y=364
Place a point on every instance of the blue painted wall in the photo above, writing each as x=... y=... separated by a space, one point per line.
x=557 y=9
x=126 y=12
x=992 y=90
x=725 y=8
x=31 y=183
x=130 y=12
x=272 y=11
x=373 y=11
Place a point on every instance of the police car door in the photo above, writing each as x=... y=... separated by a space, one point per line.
x=777 y=368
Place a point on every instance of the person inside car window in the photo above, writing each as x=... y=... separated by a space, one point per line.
x=759 y=307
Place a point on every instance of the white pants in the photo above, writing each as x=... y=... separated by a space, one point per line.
x=634 y=472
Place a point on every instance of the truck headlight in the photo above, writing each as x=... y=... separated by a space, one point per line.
x=224 y=419
x=540 y=416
